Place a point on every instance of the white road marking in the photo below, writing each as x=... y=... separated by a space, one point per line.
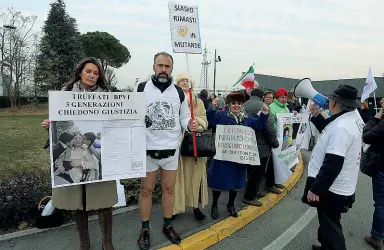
x=283 y=240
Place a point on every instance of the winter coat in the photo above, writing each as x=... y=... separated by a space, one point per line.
x=226 y=175
x=373 y=134
x=278 y=108
x=266 y=138
x=191 y=179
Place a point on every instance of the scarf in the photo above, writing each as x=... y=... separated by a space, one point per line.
x=79 y=87
x=239 y=118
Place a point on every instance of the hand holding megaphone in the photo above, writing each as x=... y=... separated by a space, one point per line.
x=314 y=109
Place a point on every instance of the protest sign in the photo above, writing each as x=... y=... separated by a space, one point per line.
x=290 y=134
x=236 y=143
x=185 y=31
x=96 y=137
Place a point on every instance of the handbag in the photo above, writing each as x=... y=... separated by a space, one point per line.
x=205 y=144
x=369 y=163
x=48 y=215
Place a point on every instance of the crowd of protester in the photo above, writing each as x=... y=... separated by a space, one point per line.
x=185 y=180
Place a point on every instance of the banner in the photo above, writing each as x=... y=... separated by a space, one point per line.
x=290 y=134
x=96 y=137
x=185 y=31
x=236 y=143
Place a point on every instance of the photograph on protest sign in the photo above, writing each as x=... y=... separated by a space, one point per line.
x=76 y=151
x=96 y=137
x=236 y=143
x=303 y=128
x=287 y=133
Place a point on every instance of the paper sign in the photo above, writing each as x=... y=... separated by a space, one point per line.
x=236 y=143
x=185 y=31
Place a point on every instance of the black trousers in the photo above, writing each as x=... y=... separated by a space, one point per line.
x=329 y=210
x=330 y=232
x=254 y=175
x=270 y=174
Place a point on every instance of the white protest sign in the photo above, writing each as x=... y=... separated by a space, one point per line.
x=96 y=137
x=185 y=31
x=68 y=105
x=290 y=133
x=236 y=143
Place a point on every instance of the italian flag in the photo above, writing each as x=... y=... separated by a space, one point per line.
x=247 y=79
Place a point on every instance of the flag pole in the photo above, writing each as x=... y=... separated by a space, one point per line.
x=374 y=97
x=191 y=108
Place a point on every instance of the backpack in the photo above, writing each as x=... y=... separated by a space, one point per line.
x=141 y=87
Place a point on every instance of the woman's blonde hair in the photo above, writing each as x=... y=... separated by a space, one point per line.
x=184 y=76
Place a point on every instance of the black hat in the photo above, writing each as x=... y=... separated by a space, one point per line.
x=346 y=95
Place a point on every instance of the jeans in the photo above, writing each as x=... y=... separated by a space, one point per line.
x=378 y=197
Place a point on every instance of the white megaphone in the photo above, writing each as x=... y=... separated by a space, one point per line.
x=305 y=89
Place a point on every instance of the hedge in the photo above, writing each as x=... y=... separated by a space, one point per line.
x=22 y=191
x=4 y=100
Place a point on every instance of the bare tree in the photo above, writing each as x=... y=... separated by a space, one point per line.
x=17 y=46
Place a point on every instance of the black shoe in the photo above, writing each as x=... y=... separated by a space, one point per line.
x=171 y=234
x=198 y=214
x=261 y=194
x=143 y=240
x=215 y=212
x=232 y=211
x=317 y=247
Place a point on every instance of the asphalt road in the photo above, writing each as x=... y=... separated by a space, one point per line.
x=278 y=229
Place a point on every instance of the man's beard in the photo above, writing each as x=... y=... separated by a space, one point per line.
x=163 y=78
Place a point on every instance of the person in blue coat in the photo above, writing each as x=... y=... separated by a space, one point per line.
x=226 y=175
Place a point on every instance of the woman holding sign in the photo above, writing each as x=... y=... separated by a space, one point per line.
x=226 y=175
x=99 y=197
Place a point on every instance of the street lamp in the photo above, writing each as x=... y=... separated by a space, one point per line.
x=217 y=59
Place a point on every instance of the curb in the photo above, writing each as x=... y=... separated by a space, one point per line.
x=225 y=228
x=30 y=231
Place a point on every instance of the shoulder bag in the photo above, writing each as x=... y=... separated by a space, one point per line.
x=205 y=144
x=369 y=162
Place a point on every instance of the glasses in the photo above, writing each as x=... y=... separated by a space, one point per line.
x=236 y=103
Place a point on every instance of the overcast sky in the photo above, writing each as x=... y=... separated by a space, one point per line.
x=319 y=39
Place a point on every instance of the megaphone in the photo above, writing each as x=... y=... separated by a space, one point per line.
x=305 y=89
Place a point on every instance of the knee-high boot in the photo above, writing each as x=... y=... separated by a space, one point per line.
x=82 y=228
x=105 y=220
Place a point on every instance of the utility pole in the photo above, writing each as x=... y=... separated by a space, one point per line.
x=217 y=59
x=204 y=83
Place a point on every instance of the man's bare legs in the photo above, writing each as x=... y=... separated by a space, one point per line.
x=145 y=206
x=145 y=200
x=168 y=180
